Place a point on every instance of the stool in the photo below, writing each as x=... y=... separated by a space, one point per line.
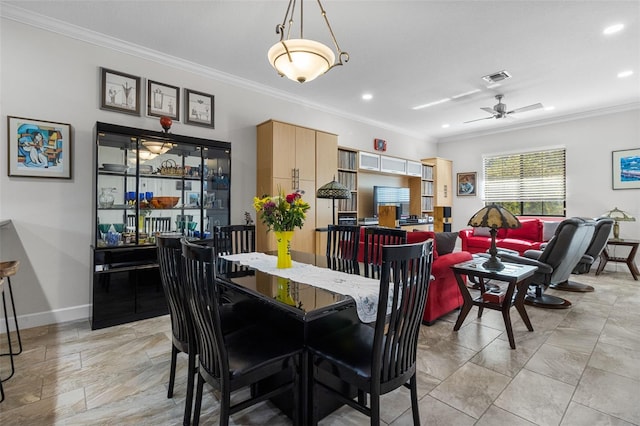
x=7 y=270
x=9 y=339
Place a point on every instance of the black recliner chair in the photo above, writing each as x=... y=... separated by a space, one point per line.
x=556 y=262
x=597 y=244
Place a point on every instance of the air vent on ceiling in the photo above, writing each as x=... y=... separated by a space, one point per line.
x=496 y=77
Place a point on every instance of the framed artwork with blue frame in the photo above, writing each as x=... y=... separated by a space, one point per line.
x=39 y=148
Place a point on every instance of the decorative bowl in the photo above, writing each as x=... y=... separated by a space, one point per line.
x=162 y=202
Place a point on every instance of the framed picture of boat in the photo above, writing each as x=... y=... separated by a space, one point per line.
x=626 y=169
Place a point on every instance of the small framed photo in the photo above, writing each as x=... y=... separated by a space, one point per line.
x=466 y=183
x=39 y=148
x=193 y=199
x=626 y=169
x=163 y=99
x=186 y=186
x=199 y=108
x=120 y=92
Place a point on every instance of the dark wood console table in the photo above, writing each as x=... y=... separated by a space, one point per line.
x=629 y=260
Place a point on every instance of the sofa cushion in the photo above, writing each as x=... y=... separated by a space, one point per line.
x=483 y=231
x=519 y=245
x=445 y=242
x=530 y=230
x=549 y=229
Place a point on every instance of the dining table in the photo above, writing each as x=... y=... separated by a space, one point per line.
x=298 y=302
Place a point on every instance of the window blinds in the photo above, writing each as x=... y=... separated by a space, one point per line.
x=530 y=176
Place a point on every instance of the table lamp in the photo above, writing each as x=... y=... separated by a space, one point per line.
x=334 y=190
x=494 y=217
x=618 y=216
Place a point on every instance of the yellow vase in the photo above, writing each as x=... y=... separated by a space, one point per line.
x=284 y=248
x=284 y=292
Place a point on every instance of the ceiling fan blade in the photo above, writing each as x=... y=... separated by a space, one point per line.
x=525 y=109
x=489 y=110
x=478 y=119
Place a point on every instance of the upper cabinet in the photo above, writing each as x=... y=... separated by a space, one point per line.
x=291 y=158
x=443 y=187
x=152 y=182
x=369 y=161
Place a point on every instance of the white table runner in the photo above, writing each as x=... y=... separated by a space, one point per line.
x=363 y=290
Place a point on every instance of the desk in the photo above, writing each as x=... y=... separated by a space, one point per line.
x=298 y=309
x=517 y=276
x=629 y=260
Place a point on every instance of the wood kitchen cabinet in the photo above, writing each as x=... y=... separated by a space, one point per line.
x=287 y=160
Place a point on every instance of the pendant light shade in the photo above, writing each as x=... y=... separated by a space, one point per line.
x=301 y=59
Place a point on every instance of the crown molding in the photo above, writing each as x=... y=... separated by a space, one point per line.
x=545 y=122
x=26 y=17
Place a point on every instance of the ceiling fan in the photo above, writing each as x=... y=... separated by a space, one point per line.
x=499 y=110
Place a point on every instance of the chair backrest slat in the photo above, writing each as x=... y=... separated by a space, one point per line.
x=342 y=248
x=204 y=303
x=172 y=277
x=405 y=274
x=374 y=239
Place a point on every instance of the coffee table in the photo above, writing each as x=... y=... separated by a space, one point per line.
x=516 y=276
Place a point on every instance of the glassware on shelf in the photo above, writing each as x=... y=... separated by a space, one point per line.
x=106 y=198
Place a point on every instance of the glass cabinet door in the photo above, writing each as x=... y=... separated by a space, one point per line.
x=147 y=186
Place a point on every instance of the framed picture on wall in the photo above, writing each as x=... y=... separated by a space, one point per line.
x=39 y=148
x=163 y=100
x=466 y=183
x=626 y=169
x=120 y=92
x=199 y=108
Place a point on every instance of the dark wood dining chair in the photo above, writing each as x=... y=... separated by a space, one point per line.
x=182 y=328
x=377 y=360
x=229 y=362
x=342 y=248
x=374 y=238
x=233 y=239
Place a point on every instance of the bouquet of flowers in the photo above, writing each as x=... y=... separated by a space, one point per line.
x=282 y=212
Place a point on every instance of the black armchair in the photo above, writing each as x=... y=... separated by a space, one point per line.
x=556 y=262
x=597 y=244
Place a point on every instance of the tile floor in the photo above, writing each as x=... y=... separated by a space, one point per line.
x=579 y=367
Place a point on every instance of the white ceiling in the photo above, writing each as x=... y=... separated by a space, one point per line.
x=405 y=53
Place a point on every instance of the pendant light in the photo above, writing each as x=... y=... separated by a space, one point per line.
x=301 y=59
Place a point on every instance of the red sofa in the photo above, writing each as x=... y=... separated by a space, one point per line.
x=534 y=231
x=444 y=295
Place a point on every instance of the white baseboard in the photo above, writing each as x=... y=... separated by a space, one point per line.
x=49 y=317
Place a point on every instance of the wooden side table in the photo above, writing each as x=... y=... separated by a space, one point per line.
x=517 y=276
x=629 y=260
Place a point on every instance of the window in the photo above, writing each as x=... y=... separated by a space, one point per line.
x=529 y=184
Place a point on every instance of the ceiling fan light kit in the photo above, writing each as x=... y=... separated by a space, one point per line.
x=301 y=59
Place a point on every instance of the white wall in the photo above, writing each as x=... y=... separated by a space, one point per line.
x=49 y=76
x=589 y=143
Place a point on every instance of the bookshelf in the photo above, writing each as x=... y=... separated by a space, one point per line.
x=348 y=176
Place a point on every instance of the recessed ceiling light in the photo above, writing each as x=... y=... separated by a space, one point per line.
x=624 y=74
x=445 y=126
x=440 y=101
x=367 y=96
x=549 y=108
x=612 y=29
